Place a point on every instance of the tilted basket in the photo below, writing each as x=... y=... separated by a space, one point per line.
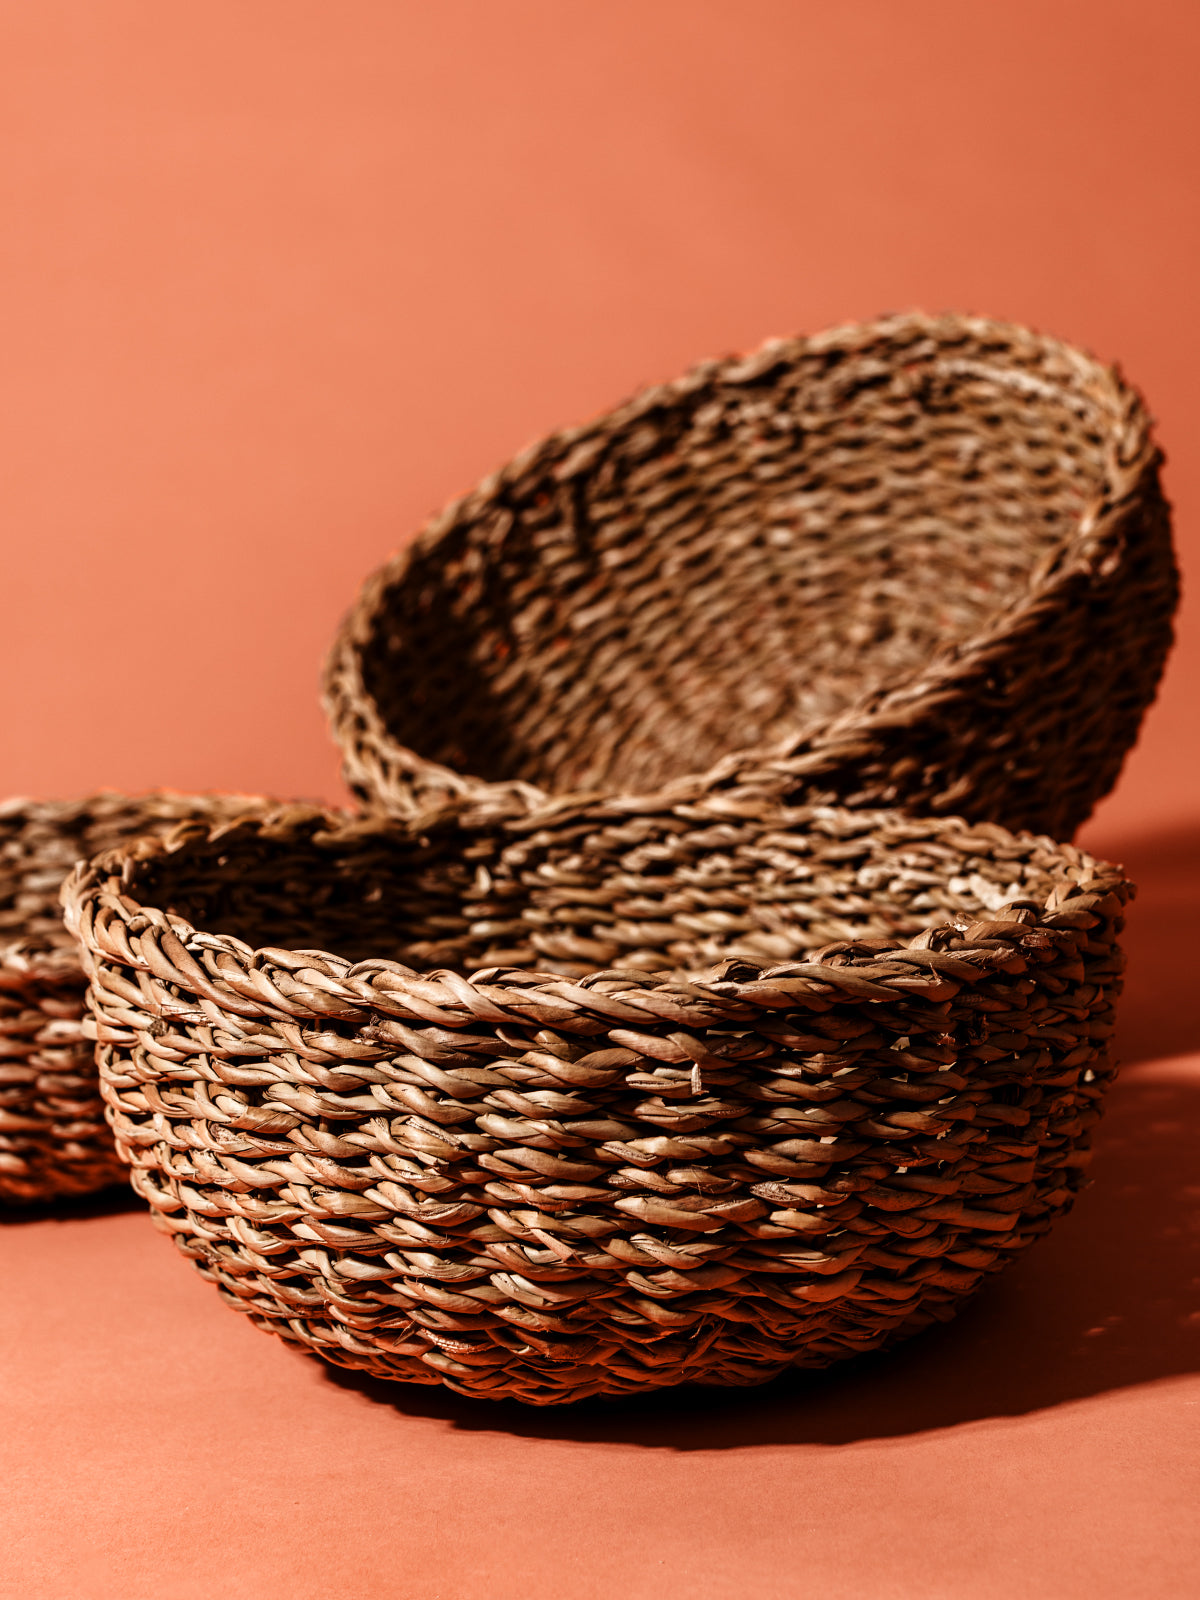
x=53 y=1137
x=924 y=562
x=863 y=1077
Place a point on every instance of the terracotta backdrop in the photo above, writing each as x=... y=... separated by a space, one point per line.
x=278 y=278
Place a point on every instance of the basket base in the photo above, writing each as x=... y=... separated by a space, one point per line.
x=718 y=1352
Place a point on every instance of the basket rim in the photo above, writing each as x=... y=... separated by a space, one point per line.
x=1131 y=454
x=353 y=991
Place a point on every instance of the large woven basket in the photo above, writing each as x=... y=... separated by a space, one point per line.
x=923 y=562
x=53 y=1137
x=521 y=1183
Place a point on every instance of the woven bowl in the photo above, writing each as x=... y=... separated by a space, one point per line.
x=924 y=562
x=53 y=1137
x=520 y=1183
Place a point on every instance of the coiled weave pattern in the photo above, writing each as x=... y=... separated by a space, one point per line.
x=53 y=1137
x=924 y=562
x=525 y=1183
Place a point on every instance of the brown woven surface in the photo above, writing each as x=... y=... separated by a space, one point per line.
x=53 y=1138
x=922 y=562
x=523 y=1183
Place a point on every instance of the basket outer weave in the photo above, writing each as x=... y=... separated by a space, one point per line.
x=524 y=1184
x=53 y=1138
x=923 y=562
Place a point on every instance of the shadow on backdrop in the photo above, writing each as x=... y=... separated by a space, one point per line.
x=1160 y=1009
x=1110 y=1299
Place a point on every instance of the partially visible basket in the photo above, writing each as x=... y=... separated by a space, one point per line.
x=533 y=1185
x=922 y=562
x=53 y=1137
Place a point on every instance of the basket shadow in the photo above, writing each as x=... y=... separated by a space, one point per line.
x=1110 y=1299
x=109 y=1202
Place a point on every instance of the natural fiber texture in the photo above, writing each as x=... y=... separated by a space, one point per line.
x=53 y=1138
x=923 y=562
x=523 y=1183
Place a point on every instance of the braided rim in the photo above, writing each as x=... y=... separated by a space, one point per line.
x=108 y=922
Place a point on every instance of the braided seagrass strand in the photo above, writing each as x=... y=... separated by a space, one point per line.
x=53 y=1137
x=922 y=562
x=549 y=1186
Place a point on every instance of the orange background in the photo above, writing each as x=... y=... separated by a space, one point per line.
x=279 y=277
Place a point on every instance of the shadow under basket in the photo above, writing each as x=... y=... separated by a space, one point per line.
x=53 y=1138
x=924 y=562
x=550 y=1185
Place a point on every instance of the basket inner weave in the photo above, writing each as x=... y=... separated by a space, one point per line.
x=681 y=908
x=724 y=571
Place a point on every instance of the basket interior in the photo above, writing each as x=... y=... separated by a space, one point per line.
x=738 y=563
x=433 y=904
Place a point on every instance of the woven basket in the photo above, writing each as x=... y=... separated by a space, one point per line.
x=924 y=562
x=53 y=1137
x=522 y=1184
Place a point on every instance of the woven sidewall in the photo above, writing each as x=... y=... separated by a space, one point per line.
x=924 y=562
x=53 y=1138
x=520 y=1183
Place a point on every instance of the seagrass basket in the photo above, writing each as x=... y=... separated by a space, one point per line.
x=53 y=1137
x=353 y=1090
x=923 y=562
